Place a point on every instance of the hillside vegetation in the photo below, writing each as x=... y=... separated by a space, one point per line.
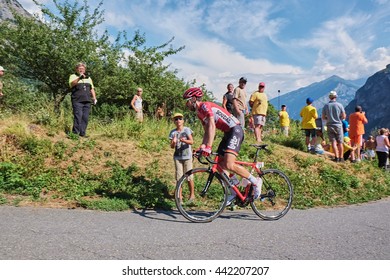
x=125 y=165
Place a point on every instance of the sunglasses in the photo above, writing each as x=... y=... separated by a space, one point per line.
x=176 y=119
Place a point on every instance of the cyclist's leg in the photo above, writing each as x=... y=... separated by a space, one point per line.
x=229 y=160
x=228 y=149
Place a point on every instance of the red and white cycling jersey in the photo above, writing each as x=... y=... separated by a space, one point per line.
x=223 y=119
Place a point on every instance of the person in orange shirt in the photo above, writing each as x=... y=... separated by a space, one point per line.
x=357 y=121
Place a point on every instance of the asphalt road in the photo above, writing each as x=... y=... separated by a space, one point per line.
x=359 y=232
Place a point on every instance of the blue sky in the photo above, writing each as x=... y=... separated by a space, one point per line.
x=287 y=44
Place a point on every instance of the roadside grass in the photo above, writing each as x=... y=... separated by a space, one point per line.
x=128 y=165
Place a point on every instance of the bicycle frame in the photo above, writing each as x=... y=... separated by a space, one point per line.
x=216 y=167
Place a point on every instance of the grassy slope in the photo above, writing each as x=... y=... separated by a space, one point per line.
x=100 y=172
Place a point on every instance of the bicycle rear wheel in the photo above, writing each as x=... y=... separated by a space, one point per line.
x=276 y=195
x=210 y=195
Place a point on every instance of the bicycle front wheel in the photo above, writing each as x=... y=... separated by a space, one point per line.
x=210 y=195
x=276 y=195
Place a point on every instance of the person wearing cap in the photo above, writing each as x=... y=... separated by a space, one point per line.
x=239 y=101
x=309 y=116
x=333 y=113
x=1 y=83
x=259 y=104
x=284 y=120
x=181 y=140
x=357 y=121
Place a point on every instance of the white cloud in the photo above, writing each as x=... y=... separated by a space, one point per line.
x=232 y=19
x=222 y=39
x=344 y=48
x=119 y=21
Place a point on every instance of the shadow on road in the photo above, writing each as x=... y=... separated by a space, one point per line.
x=176 y=217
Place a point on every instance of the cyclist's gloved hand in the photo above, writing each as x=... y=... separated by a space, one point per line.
x=206 y=151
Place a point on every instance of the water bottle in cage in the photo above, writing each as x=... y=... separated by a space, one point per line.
x=234 y=180
x=244 y=182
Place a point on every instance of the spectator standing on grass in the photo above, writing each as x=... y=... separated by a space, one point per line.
x=284 y=120
x=382 y=147
x=259 y=104
x=181 y=140
x=333 y=113
x=227 y=101
x=1 y=83
x=240 y=108
x=357 y=121
x=136 y=104
x=309 y=116
x=83 y=95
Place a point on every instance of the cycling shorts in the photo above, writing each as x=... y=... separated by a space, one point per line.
x=231 y=141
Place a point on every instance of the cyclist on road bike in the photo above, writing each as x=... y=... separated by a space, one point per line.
x=213 y=116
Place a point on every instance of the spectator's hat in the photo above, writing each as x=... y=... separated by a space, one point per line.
x=347 y=139
x=177 y=115
x=309 y=100
x=332 y=94
x=243 y=80
x=1 y=68
x=262 y=84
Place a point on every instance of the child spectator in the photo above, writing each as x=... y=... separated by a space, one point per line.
x=369 y=148
x=321 y=143
x=181 y=141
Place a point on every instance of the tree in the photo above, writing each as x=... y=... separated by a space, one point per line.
x=46 y=51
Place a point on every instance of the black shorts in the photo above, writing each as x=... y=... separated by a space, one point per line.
x=231 y=141
x=310 y=132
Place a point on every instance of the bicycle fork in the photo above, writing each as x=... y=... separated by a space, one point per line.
x=208 y=183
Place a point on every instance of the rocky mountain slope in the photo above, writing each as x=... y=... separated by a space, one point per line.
x=6 y=7
x=374 y=97
x=296 y=100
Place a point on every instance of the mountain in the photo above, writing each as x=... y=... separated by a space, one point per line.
x=374 y=97
x=296 y=100
x=6 y=7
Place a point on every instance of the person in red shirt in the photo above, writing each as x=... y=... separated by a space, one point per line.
x=215 y=117
x=357 y=121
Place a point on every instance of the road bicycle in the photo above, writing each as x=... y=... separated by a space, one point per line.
x=212 y=190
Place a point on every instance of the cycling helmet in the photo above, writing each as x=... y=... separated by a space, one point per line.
x=192 y=92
